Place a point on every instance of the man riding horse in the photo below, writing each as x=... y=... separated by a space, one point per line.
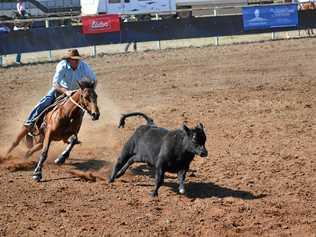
x=68 y=72
x=61 y=120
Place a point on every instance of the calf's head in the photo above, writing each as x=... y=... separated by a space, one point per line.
x=196 y=139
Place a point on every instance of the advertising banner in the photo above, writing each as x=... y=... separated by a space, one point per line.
x=270 y=16
x=100 y=24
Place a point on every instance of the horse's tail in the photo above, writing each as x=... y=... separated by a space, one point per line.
x=149 y=120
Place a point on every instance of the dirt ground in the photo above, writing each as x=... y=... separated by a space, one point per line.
x=257 y=102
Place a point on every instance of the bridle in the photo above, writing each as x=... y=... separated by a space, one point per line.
x=77 y=104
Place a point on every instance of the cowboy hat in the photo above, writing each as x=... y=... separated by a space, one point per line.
x=72 y=54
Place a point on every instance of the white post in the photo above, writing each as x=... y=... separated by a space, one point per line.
x=273 y=35
x=158 y=43
x=49 y=55
x=94 y=51
x=216 y=38
x=49 y=51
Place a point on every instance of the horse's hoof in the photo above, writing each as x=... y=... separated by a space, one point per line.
x=37 y=177
x=60 y=161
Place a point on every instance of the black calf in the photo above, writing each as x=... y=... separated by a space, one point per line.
x=166 y=150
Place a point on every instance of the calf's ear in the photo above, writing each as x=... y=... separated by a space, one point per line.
x=200 y=126
x=185 y=128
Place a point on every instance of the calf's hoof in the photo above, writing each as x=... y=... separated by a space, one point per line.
x=37 y=177
x=111 y=180
x=182 y=191
x=153 y=194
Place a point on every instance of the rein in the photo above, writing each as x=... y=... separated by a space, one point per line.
x=77 y=104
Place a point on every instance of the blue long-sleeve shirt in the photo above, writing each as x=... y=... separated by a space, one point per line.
x=67 y=78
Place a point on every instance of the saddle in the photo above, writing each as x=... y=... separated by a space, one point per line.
x=39 y=123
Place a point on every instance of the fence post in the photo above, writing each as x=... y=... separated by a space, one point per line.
x=273 y=35
x=94 y=51
x=49 y=51
x=158 y=43
x=216 y=38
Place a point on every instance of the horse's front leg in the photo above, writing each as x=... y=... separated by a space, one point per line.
x=65 y=154
x=37 y=175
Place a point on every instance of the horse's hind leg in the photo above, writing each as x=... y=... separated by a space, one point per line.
x=65 y=154
x=18 y=139
x=37 y=175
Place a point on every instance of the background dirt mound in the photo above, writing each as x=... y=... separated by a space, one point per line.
x=88 y=176
x=13 y=163
x=257 y=103
x=2 y=159
x=16 y=165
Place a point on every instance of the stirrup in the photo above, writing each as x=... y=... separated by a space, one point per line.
x=30 y=128
x=31 y=134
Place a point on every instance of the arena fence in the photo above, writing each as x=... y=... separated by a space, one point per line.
x=52 y=38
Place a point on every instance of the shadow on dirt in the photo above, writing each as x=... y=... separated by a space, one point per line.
x=208 y=190
x=59 y=178
x=197 y=189
x=143 y=169
x=86 y=165
x=146 y=170
x=86 y=170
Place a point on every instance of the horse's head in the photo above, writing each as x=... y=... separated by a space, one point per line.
x=88 y=98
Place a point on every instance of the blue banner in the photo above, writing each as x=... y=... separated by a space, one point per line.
x=270 y=16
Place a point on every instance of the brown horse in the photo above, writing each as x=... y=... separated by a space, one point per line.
x=62 y=122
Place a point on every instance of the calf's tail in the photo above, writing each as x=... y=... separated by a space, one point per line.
x=149 y=120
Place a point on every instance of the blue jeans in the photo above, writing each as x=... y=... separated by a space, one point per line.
x=46 y=101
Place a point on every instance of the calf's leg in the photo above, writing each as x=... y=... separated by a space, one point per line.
x=159 y=179
x=125 y=155
x=181 y=177
x=125 y=167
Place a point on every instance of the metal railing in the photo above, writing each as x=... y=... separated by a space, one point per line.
x=213 y=11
